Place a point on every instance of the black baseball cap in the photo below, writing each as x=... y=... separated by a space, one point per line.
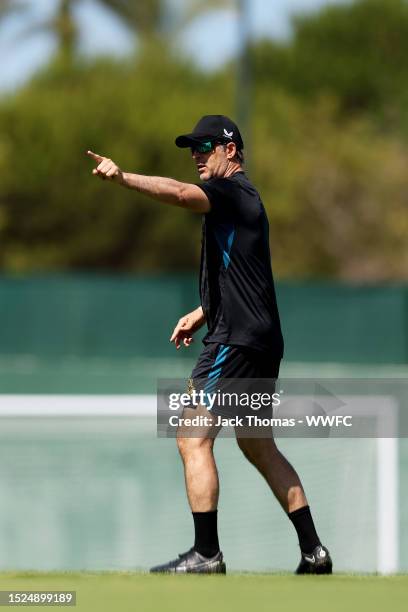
x=212 y=127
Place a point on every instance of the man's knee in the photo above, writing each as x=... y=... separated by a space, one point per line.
x=190 y=446
x=244 y=445
x=250 y=447
x=253 y=448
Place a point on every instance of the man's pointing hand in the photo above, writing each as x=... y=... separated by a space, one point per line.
x=106 y=168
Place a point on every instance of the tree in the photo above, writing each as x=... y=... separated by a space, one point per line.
x=143 y=17
x=53 y=214
x=335 y=190
x=146 y=18
x=355 y=51
x=65 y=28
x=7 y=7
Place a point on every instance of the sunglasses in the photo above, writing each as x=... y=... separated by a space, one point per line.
x=205 y=147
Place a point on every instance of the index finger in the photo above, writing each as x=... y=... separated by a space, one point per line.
x=95 y=156
x=176 y=331
x=174 y=334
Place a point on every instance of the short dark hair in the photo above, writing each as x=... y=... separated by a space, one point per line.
x=240 y=156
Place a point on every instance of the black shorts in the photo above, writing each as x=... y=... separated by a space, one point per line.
x=235 y=369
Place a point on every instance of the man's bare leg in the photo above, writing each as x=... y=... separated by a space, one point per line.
x=200 y=473
x=276 y=469
x=196 y=445
x=287 y=488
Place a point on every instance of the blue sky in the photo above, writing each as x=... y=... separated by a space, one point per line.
x=25 y=45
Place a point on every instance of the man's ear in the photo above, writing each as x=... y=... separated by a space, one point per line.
x=231 y=150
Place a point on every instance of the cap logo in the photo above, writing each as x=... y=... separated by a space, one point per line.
x=228 y=134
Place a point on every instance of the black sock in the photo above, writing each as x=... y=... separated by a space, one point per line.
x=206 y=533
x=303 y=523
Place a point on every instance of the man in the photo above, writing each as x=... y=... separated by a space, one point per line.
x=244 y=339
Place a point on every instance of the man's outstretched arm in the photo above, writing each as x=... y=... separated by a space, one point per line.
x=163 y=189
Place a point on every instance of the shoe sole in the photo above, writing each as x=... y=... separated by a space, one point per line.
x=319 y=570
x=324 y=569
x=220 y=568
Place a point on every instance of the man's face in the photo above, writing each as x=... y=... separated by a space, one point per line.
x=213 y=164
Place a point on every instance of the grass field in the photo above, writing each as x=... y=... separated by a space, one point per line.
x=123 y=592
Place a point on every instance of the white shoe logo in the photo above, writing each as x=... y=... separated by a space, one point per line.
x=310 y=559
x=322 y=553
x=228 y=134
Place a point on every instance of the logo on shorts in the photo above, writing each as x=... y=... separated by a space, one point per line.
x=190 y=386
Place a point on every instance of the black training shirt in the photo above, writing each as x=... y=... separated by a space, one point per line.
x=236 y=283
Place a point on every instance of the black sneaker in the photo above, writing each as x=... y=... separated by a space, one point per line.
x=317 y=562
x=191 y=562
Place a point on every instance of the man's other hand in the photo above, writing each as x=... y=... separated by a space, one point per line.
x=185 y=328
